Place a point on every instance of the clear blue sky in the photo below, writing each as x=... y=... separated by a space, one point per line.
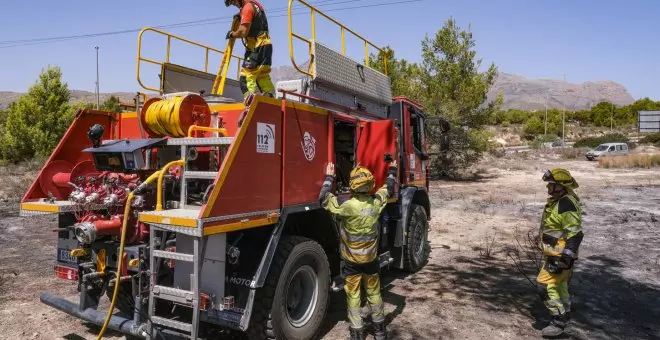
x=586 y=40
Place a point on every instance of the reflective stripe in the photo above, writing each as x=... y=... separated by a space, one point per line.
x=555 y=307
x=359 y=252
x=573 y=229
x=350 y=238
x=553 y=233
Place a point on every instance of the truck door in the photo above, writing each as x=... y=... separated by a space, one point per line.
x=415 y=145
x=374 y=140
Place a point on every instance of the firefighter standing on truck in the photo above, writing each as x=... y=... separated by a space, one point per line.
x=359 y=229
x=560 y=235
x=253 y=29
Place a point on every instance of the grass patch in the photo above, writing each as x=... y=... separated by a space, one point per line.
x=630 y=161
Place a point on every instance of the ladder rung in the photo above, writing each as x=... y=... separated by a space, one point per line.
x=174 y=256
x=200 y=141
x=181 y=296
x=182 y=326
x=201 y=174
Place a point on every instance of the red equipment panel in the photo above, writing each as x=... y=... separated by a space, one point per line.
x=66 y=157
x=249 y=178
x=306 y=144
x=129 y=127
x=375 y=139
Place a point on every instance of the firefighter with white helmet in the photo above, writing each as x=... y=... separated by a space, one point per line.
x=359 y=230
x=560 y=237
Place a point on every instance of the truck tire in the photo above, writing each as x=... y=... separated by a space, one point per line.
x=416 y=252
x=294 y=299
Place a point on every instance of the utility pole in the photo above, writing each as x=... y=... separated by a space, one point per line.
x=546 y=114
x=98 y=101
x=612 y=117
x=563 y=117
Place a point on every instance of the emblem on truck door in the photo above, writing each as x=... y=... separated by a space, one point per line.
x=309 y=146
x=265 y=138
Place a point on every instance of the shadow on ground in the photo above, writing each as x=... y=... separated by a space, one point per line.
x=606 y=305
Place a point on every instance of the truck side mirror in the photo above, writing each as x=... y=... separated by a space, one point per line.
x=423 y=156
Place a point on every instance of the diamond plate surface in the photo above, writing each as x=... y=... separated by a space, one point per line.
x=182 y=326
x=200 y=141
x=201 y=174
x=181 y=230
x=174 y=256
x=343 y=73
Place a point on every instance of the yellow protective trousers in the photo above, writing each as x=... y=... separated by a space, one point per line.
x=558 y=300
x=255 y=71
x=354 y=274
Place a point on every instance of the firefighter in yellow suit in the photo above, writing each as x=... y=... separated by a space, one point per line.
x=560 y=237
x=359 y=230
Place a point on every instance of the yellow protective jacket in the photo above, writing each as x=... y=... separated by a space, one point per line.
x=358 y=220
x=561 y=226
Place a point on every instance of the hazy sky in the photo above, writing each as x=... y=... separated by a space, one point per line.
x=587 y=40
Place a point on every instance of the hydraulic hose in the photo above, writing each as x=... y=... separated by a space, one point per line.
x=127 y=210
x=163 y=118
x=159 y=192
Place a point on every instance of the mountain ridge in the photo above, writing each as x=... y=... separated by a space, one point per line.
x=519 y=92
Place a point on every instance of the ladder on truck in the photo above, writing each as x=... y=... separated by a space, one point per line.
x=189 y=297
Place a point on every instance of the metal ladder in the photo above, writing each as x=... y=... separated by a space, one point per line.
x=188 y=298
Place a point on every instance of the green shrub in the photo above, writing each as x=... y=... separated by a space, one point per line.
x=541 y=139
x=653 y=138
x=592 y=142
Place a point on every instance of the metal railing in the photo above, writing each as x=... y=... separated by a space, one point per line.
x=309 y=42
x=208 y=50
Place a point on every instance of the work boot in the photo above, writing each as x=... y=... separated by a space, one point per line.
x=380 y=331
x=556 y=327
x=357 y=333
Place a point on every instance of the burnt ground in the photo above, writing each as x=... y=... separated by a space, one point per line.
x=470 y=289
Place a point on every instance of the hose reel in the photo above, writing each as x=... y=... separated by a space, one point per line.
x=173 y=117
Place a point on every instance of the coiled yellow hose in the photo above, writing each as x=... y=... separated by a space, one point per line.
x=163 y=118
x=127 y=211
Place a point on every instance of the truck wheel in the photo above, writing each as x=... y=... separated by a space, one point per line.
x=125 y=300
x=416 y=252
x=294 y=299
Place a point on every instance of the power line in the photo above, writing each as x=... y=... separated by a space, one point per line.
x=193 y=23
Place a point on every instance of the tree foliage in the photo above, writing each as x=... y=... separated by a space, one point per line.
x=34 y=124
x=603 y=114
x=37 y=120
x=448 y=84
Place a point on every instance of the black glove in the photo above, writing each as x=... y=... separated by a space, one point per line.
x=553 y=266
x=228 y=36
x=567 y=259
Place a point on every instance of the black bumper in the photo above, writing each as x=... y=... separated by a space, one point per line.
x=117 y=323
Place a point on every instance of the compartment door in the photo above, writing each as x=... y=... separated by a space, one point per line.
x=374 y=140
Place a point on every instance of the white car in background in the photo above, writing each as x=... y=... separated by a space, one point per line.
x=607 y=149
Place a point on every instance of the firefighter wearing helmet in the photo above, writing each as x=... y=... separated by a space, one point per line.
x=253 y=29
x=560 y=236
x=359 y=230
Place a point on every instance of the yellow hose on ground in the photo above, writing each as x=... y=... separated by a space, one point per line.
x=127 y=210
x=159 y=192
x=163 y=118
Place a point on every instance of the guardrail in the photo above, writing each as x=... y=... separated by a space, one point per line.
x=343 y=30
x=208 y=50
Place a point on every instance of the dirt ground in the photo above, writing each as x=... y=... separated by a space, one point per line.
x=469 y=290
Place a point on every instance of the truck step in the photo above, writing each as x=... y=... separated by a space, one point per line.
x=182 y=326
x=181 y=296
x=174 y=256
x=201 y=141
x=201 y=174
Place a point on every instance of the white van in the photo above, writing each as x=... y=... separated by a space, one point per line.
x=607 y=149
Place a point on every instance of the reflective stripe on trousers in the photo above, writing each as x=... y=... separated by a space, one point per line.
x=353 y=298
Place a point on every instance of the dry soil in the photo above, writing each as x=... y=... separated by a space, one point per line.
x=470 y=288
